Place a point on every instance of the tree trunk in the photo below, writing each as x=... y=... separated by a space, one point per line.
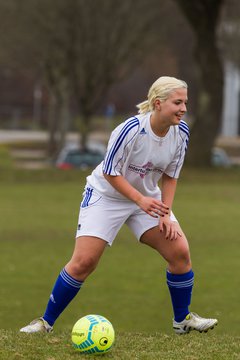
x=203 y=16
x=64 y=117
x=84 y=130
x=209 y=106
x=52 y=125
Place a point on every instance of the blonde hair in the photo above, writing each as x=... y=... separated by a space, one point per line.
x=160 y=89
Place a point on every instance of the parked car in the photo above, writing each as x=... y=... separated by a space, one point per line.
x=73 y=157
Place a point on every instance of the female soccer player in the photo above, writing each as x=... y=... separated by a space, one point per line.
x=145 y=149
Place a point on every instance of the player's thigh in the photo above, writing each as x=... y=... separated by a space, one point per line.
x=171 y=250
x=140 y=222
x=88 y=247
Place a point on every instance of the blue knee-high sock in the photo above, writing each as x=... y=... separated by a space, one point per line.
x=65 y=289
x=180 y=287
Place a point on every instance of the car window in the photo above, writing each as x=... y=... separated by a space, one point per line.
x=80 y=158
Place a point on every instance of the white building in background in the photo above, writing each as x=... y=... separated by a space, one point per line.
x=231 y=101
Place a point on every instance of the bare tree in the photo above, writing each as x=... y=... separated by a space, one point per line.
x=105 y=43
x=49 y=43
x=81 y=47
x=203 y=16
x=32 y=43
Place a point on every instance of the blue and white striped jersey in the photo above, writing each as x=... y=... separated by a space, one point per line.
x=139 y=155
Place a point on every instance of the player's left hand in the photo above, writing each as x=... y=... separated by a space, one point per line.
x=170 y=227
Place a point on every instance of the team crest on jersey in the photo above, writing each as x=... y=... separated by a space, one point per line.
x=144 y=169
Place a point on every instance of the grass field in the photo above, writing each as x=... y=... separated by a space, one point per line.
x=38 y=217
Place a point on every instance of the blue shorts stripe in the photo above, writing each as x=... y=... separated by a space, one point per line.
x=87 y=197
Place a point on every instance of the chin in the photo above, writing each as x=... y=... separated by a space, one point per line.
x=176 y=121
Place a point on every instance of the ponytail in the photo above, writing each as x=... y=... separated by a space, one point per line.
x=143 y=107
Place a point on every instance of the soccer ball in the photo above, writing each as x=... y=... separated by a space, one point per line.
x=93 y=334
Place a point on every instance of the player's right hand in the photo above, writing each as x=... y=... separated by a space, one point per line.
x=153 y=207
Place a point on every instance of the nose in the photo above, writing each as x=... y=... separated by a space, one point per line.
x=184 y=107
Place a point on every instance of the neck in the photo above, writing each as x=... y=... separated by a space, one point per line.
x=159 y=128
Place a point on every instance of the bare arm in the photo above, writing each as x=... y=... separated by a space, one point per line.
x=168 y=189
x=150 y=205
x=168 y=192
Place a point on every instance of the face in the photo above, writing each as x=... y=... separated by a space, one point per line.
x=172 y=110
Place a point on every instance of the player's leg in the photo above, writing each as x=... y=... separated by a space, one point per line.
x=175 y=252
x=180 y=278
x=98 y=224
x=86 y=255
x=179 y=273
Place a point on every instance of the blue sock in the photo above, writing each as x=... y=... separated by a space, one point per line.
x=65 y=289
x=180 y=287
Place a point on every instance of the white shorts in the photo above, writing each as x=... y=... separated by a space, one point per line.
x=102 y=217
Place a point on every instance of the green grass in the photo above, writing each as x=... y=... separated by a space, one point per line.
x=128 y=346
x=6 y=162
x=38 y=217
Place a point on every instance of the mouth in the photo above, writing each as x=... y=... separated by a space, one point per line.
x=179 y=117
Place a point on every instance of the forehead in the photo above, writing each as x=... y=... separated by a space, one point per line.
x=180 y=94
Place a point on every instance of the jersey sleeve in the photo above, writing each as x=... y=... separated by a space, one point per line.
x=174 y=168
x=119 y=146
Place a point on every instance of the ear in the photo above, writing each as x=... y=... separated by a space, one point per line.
x=157 y=104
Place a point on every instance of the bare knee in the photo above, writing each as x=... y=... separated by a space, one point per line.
x=180 y=261
x=86 y=254
x=80 y=268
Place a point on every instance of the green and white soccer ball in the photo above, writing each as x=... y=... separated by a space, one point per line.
x=93 y=334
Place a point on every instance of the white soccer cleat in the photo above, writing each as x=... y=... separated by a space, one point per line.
x=193 y=322
x=37 y=325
